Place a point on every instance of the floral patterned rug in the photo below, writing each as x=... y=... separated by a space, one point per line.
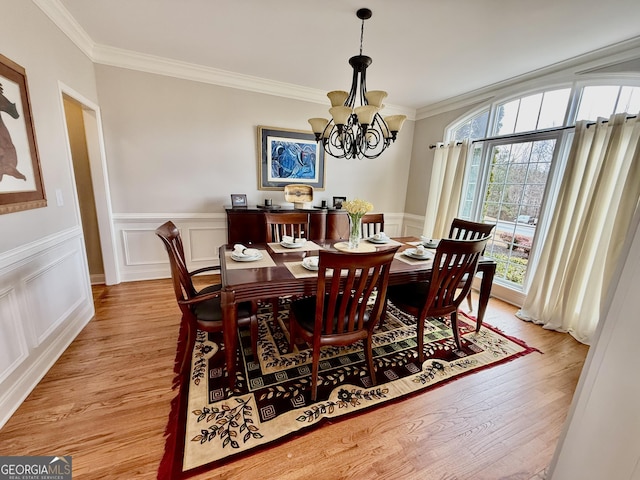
x=211 y=424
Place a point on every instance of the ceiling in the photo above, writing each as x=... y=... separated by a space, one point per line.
x=424 y=51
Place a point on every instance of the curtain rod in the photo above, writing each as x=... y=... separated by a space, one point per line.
x=525 y=134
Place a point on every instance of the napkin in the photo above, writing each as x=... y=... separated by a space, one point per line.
x=380 y=236
x=290 y=239
x=240 y=250
x=312 y=261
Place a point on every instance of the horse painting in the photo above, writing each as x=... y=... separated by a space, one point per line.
x=8 y=155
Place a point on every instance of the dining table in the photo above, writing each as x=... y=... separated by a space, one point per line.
x=279 y=271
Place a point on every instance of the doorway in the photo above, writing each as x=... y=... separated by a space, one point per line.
x=86 y=147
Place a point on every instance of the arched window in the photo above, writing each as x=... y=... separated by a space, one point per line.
x=519 y=146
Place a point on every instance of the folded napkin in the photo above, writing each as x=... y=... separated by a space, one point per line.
x=290 y=239
x=312 y=261
x=380 y=236
x=240 y=250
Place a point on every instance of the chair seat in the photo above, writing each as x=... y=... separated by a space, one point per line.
x=410 y=294
x=210 y=311
x=304 y=311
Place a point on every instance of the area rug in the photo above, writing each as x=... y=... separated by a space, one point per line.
x=211 y=424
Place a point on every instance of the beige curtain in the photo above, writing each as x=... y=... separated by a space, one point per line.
x=598 y=197
x=445 y=189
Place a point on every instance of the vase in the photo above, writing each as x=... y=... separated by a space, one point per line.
x=355 y=231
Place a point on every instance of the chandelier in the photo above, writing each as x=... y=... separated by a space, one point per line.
x=357 y=131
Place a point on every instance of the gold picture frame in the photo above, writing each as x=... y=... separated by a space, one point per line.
x=21 y=185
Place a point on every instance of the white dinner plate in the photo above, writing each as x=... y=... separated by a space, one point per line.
x=379 y=240
x=292 y=245
x=306 y=263
x=245 y=258
x=411 y=252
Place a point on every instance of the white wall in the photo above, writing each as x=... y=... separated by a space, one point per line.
x=178 y=146
x=45 y=296
x=602 y=436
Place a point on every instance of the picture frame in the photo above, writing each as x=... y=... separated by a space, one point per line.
x=289 y=156
x=337 y=202
x=238 y=200
x=21 y=185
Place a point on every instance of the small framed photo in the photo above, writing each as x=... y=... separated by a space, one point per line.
x=238 y=200
x=289 y=157
x=337 y=202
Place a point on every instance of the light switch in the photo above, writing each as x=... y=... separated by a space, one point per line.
x=59 y=199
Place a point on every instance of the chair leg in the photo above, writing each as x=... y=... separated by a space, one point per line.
x=384 y=313
x=254 y=335
x=469 y=302
x=421 y=341
x=190 y=342
x=314 y=373
x=292 y=332
x=372 y=367
x=274 y=308
x=454 y=328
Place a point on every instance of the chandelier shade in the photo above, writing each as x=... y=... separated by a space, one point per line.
x=357 y=131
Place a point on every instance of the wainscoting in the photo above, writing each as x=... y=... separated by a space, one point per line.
x=45 y=301
x=141 y=255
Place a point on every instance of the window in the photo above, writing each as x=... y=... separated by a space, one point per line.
x=516 y=157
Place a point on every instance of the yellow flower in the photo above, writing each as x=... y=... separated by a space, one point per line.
x=357 y=207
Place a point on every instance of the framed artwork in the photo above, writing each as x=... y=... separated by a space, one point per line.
x=21 y=186
x=337 y=202
x=238 y=200
x=289 y=156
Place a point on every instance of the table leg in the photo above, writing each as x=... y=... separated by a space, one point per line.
x=488 y=272
x=230 y=329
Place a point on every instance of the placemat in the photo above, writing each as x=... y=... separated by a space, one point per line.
x=298 y=271
x=411 y=261
x=364 y=247
x=265 y=261
x=307 y=247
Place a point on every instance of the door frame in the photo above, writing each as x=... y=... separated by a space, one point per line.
x=99 y=178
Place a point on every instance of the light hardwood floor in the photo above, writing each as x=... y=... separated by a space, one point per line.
x=106 y=402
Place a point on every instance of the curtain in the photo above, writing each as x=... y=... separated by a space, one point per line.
x=445 y=189
x=598 y=197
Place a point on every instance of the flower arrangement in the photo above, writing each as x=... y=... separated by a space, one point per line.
x=356 y=209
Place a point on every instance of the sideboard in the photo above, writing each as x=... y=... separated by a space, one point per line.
x=247 y=225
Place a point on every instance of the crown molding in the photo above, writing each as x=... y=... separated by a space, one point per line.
x=131 y=60
x=567 y=70
x=61 y=17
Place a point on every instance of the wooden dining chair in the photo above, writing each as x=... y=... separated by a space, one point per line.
x=200 y=309
x=454 y=265
x=294 y=224
x=341 y=316
x=467 y=230
x=372 y=223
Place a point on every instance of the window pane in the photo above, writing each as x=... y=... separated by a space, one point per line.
x=597 y=102
x=528 y=113
x=506 y=118
x=473 y=129
x=554 y=107
x=629 y=100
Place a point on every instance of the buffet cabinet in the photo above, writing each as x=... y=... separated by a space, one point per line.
x=247 y=225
